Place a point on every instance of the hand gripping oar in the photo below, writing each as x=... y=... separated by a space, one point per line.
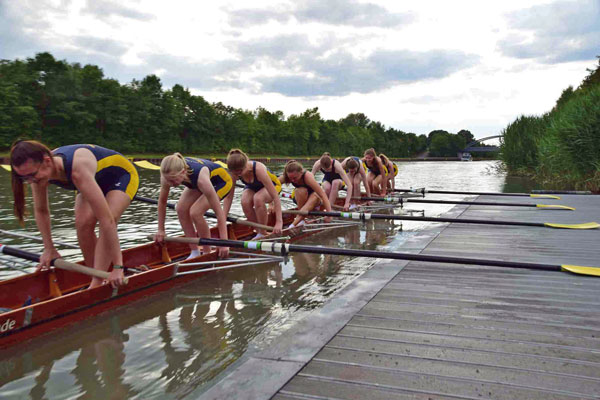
x=236 y=220
x=285 y=248
x=423 y=191
x=365 y=216
x=57 y=262
x=401 y=201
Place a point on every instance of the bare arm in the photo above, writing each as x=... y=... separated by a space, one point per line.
x=385 y=177
x=162 y=211
x=316 y=167
x=228 y=200
x=347 y=181
x=42 y=219
x=363 y=178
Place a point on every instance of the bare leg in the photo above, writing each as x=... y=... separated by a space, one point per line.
x=261 y=198
x=356 y=186
x=370 y=179
x=248 y=205
x=85 y=225
x=333 y=193
x=301 y=196
x=197 y=213
x=377 y=184
x=187 y=199
x=117 y=202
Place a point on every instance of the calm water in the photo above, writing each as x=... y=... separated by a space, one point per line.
x=174 y=342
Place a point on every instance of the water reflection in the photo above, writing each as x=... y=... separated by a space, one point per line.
x=177 y=341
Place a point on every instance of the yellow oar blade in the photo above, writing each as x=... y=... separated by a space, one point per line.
x=554 y=207
x=6 y=167
x=586 y=225
x=146 y=164
x=545 y=196
x=576 y=269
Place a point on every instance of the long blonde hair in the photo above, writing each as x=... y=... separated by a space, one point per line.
x=174 y=164
x=236 y=159
x=20 y=152
x=291 y=166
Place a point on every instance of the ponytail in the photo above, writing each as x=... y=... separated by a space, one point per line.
x=20 y=152
x=236 y=159
x=174 y=164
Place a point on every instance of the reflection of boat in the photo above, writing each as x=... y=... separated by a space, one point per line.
x=44 y=301
x=466 y=157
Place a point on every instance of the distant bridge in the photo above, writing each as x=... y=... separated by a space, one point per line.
x=471 y=148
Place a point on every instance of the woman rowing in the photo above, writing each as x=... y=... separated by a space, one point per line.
x=261 y=188
x=356 y=172
x=206 y=184
x=391 y=170
x=334 y=177
x=307 y=193
x=377 y=177
x=106 y=183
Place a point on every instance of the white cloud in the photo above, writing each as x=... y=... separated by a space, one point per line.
x=413 y=66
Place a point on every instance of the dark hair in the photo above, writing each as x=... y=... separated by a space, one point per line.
x=352 y=164
x=325 y=160
x=20 y=152
x=371 y=152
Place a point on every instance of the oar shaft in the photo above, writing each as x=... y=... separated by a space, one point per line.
x=58 y=262
x=363 y=216
x=459 y=192
x=211 y=215
x=284 y=248
x=473 y=203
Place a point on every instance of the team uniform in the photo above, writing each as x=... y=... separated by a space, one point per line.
x=219 y=177
x=256 y=185
x=330 y=176
x=301 y=185
x=374 y=168
x=114 y=171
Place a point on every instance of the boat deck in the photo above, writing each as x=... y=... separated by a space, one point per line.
x=414 y=330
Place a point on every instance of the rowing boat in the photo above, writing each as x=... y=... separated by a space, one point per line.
x=41 y=302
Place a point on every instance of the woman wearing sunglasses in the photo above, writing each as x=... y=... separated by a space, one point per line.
x=106 y=183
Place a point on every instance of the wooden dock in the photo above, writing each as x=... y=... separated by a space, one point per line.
x=439 y=331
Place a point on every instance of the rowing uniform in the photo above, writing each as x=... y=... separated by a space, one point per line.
x=219 y=177
x=301 y=185
x=113 y=172
x=256 y=184
x=395 y=169
x=374 y=169
x=330 y=176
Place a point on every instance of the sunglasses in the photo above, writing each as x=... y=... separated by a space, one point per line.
x=31 y=176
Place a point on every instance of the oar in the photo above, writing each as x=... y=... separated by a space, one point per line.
x=209 y=214
x=423 y=191
x=401 y=201
x=38 y=239
x=365 y=216
x=57 y=262
x=285 y=248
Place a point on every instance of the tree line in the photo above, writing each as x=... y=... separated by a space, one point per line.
x=59 y=103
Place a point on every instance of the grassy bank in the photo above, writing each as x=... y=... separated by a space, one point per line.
x=560 y=149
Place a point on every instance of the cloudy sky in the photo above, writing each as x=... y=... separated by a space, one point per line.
x=414 y=66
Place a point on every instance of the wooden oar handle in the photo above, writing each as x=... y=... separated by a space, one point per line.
x=57 y=262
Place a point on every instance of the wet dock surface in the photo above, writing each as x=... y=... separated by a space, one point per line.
x=415 y=330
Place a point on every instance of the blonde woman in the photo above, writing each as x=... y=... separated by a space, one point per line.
x=206 y=184
x=334 y=177
x=105 y=181
x=307 y=194
x=353 y=167
x=377 y=177
x=261 y=188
